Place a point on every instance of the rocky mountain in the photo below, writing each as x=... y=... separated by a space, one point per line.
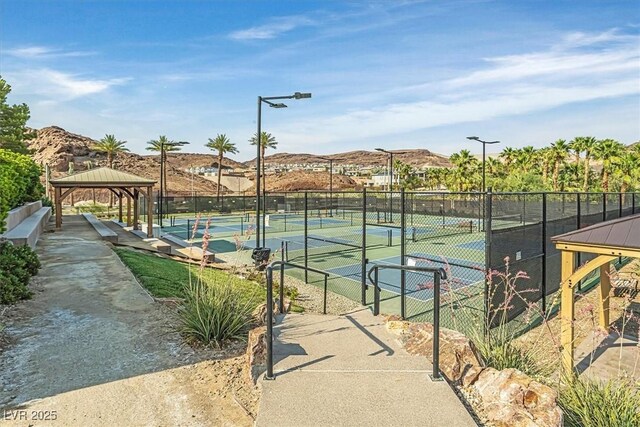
x=58 y=148
x=420 y=158
x=306 y=180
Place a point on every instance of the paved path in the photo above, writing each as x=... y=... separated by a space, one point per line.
x=93 y=346
x=349 y=371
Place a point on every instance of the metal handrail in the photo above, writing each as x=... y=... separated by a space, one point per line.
x=438 y=273
x=269 y=320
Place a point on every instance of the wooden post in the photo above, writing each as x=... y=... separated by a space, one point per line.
x=149 y=212
x=58 y=206
x=128 y=210
x=567 y=312
x=120 y=194
x=136 y=194
x=605 y=289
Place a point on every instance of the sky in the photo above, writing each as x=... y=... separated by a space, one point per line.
x=391 y=74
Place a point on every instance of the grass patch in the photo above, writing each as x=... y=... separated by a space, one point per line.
x=165 y=278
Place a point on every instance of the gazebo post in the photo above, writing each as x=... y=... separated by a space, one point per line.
x=149 y=211
x=136 y=194
x=567 y=310
x=605 y=289
x=128 y=210
x=58 y=205
x=120 y=193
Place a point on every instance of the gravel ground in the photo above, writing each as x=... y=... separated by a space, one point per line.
x=310 y=297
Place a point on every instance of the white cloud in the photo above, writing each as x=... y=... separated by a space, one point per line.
x=273 y=29
x=41 y=52
x=59 y=85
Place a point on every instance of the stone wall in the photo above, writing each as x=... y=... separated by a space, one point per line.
x=507 y=397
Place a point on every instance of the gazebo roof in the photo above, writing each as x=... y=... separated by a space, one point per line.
x=620 y=233
x=102 y=177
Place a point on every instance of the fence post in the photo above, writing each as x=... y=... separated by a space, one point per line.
x=619 y=205
x=403 y=226
x=264 y=217
x=306 y=233
x=544 y=252
x=363 y=273
x=436 y=325
x=578 y=224
x=604 y=206
x=633 y=202
x=488 y=199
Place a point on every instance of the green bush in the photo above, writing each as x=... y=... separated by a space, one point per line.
x=589 y=403
x=19 y=182
x=215 y=312
x=17 y=265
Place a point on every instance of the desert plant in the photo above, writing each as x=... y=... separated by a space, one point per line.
x=215 y=312
x=590 y=403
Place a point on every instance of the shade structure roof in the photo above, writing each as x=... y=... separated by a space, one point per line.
x=620 y=233
x=102 y=177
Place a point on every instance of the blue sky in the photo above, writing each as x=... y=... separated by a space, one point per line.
x=395 y=74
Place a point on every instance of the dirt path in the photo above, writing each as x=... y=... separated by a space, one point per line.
x=94 y=347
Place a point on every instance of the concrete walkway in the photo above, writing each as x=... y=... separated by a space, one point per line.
x=94 y=346
x=349 y=371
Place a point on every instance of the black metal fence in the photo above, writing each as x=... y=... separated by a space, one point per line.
x=466 y=234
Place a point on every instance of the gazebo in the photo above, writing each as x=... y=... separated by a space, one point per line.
x=122 y=184
x=608 y=240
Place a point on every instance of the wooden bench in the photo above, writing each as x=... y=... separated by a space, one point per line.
x=105 y=232
x=28 y=231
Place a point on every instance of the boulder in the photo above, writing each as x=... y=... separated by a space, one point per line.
x=256 y=354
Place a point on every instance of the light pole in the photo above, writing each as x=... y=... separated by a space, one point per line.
x=484 y=154
x=267 y=100
x=163 y=160
x=330 y=183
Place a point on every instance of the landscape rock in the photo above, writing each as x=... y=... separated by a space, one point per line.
x=256 y=355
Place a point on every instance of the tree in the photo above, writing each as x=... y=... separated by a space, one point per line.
x=222 y=145
x=508 y=156
x=111 y=147
x=407 y=175
x=525 y=156
x=559 y=154
x=266 y=141
x=163 y=145
x=587 y=143
x=13 y=123
x=608 y=151
x=627 y=169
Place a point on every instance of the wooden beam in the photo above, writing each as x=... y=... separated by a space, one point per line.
x=605 y=290
x=58 y=206
x=120 y=196
x=128 y=210
x=136 y=194
x=567 y=310
x=600 y=250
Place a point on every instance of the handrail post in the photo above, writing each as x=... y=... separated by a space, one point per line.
x=281 y=302
x=324 y=310
x=435 y=376
x=376 y=293
x=269 y=320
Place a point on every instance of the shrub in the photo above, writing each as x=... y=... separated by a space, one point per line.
x=17 y=265
x=589 y=403
x=19 y=182
x=215 y=312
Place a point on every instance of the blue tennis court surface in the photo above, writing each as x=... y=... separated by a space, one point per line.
x=418 y=285
x=477 y=245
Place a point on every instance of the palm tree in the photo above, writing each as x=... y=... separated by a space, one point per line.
x=627 y=169
x=559 y=154
x=609 y=152
x=508 y=156
x=587 y=143
x=111 y=146
x=163 y=145
x=266 y=141
x=525 y=156
x=222 y=145
x=546 y=159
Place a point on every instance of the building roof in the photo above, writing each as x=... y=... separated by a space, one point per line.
x=616 y=233
x=101 y=177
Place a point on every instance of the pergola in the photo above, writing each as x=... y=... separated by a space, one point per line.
x=608 y=240
x=122 y=184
